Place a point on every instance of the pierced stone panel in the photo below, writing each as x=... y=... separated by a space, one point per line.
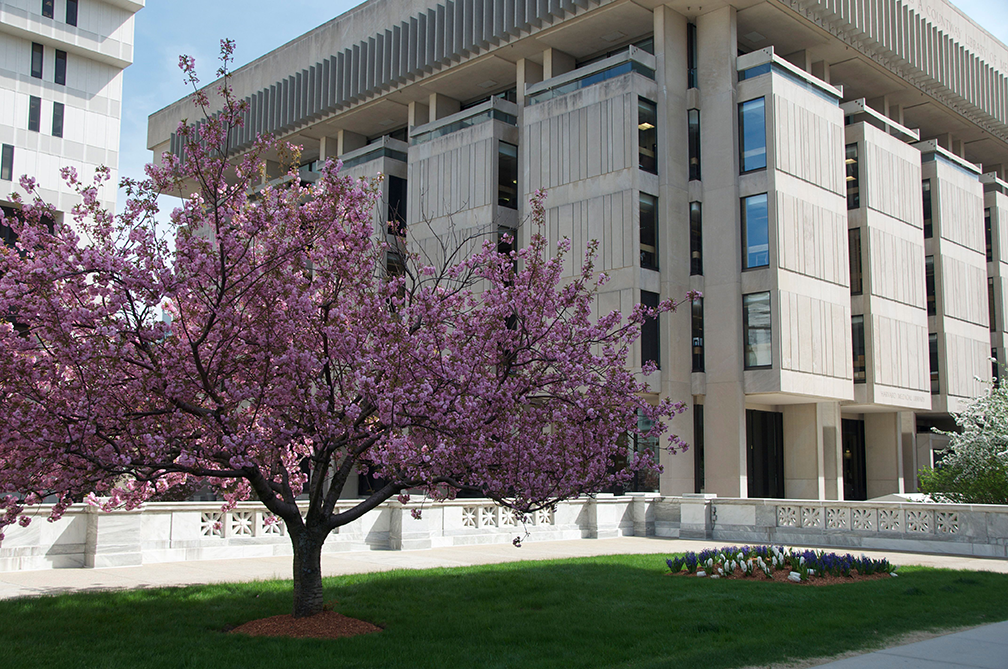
x=241 y=523
x=787 y=516
x=211 y=524
x=837 y=519
x=811 y=516
x=864 y=520
x=469 y=516
x=890 y=520
x=272 y=526
x=947 y=522
x=488 y=516
x=919 y=522
x=544 y=517
x=508 y=518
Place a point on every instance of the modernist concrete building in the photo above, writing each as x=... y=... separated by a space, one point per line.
x=813 y=167
x=61 y=64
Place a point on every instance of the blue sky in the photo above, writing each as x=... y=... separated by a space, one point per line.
x=167 y=28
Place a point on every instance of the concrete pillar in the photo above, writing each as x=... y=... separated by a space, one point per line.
x=442 y=105
x=347 y=141
x=883 y=454
x=527 y=72
x=821 y=70
x=674 y=236
x=724 y=404
x=418 y=114
x=908 y=443
x=328 y=148
x=801 y=59
x=832 y=449
x=556 y=62
x=803 y=461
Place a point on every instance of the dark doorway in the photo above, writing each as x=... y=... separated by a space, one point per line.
x=855 y=481
x=765 y=446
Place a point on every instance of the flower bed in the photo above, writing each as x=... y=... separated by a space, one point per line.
x=779 y=564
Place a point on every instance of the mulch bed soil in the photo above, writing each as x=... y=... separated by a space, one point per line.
x=781 y=576
x=325 y=625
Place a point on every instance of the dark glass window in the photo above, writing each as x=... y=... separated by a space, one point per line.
x=47 y=8
x=397 y=205
x=929 y=285
x=691 y=55
x=507 y=175
x=752 y=135
x=647 y=135
x=995 y=366
x=926 y=193
x=36 y=61
x=71 y=12
x=933 y=361
x=57 y=119
x=987 y=232
x=648 y=231
x=755 y=232
x=991 y=305
x=34 y=113
x=858 y=345
x=697 y=334
x=698 y=449
x=696 y=238
x=7 y=236
x=694 y=144
x=854 y=249
x=756 y=331
x=650 y=335
x=7 y=163
x=853 y=177
x=61 y=58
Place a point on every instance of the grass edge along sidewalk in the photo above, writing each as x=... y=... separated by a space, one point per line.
x=614 y=611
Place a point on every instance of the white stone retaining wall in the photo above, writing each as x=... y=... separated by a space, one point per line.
x=169 y=532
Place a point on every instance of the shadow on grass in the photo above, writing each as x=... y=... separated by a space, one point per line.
x=619 y=611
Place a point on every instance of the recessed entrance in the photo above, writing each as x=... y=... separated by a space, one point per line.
x=855 y=482
x=765 y=453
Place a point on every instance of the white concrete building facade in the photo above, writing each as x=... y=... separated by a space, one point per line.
x=830 y=174
x=61 y=64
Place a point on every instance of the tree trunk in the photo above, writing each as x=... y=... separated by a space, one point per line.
x=307 y=573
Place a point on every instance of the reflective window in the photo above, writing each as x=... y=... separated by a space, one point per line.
x=61 y=62
x=987 y=232
x=696 y=238
x=57 y=119
x=933 y=360
x=397 y=206
x=853 y=177
x=995 y=366
x=755 y=232
x=752 y=135
x=647 y=135
x=698 y=449
x=71 y=12
x=691 y=55
x=694 y=144
x=756 y=332
x=991 y=305
x=648 y=231
x=929 y=285
x=507 y=175
x=926 y=194
x=34 y=113
x=650 y=337
x=697 y=334
x=36 y=60
x=47 y=8
x=7 y=163
x=854 y=249
x=858 y=346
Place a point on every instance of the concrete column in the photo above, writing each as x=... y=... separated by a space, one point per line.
x=347 y=141
x=528 y=72
x=442 y=105
x=821 y=70
x=674 y=236
x=908 y=444
x=556 y=62
x=883 y=454
x=803 y=452
x=725 y=433
x=801 y=59
x=832 y=450
x=418 y=114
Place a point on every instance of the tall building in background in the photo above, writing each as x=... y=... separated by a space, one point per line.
x=61 y=64
x=828 y=173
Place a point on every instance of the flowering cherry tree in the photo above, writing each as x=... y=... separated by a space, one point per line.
x=292 y=359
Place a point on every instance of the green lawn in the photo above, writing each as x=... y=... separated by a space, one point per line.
x=620 y=611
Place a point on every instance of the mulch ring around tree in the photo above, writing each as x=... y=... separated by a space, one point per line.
x=324 y=625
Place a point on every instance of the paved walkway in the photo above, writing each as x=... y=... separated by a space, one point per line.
x=980 y=647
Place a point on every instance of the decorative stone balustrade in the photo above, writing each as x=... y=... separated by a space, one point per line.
x=169 y=532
